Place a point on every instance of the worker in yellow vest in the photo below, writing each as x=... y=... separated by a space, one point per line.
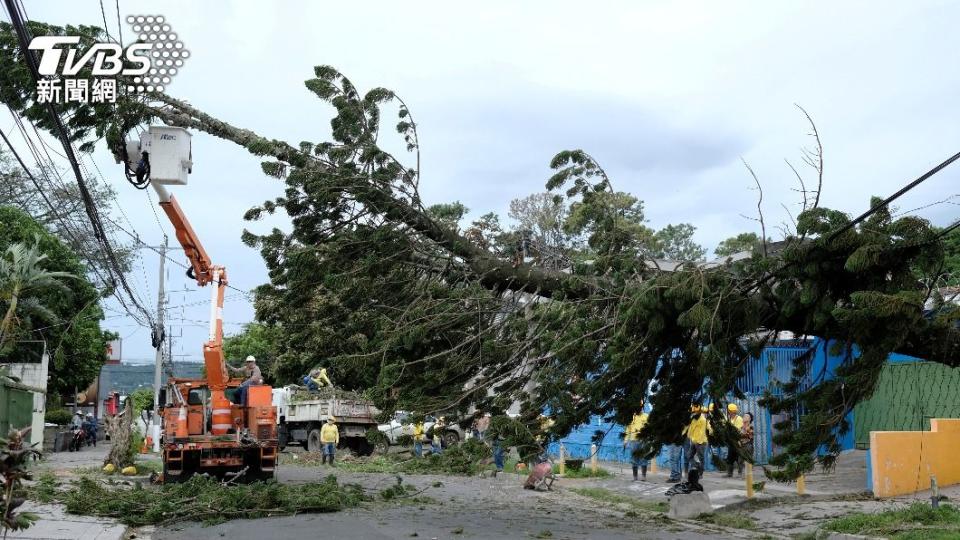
x=733 y=450
x=631 y=440
x=696 y=432
x=329 y=439
x=419 y=432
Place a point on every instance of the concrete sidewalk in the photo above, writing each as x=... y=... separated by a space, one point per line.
x=56 y=524
x=847 y=478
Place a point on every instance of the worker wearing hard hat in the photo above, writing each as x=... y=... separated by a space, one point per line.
x=329 y=439
x=733 y=453
x=631 y=439
x=251 y=374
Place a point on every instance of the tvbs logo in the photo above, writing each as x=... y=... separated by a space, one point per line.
x=107 y=58
x=146 y=65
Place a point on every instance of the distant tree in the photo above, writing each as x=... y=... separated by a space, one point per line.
x=66 y=219
x=142 y=399
x=675 y=242
x=735 y=244
x=951 y=259
x=69 y=320
x=540 y=218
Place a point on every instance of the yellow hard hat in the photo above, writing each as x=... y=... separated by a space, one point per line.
x=711 y=407
x=733 y=407
x=331 y=419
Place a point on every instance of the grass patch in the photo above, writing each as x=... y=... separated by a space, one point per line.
x=205 y=500
x=612 y=497
x=729 y=519
x=919 y=521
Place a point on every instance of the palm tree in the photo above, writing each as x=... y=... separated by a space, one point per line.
x=21 y=278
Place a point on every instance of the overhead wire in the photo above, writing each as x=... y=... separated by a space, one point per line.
x=17 y=15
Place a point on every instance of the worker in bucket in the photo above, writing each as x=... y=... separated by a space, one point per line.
x=329 y=439
x=631 y=440
x=252 y=376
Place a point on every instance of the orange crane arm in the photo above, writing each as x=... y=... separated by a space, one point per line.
x=200 y=263
x=205 y=272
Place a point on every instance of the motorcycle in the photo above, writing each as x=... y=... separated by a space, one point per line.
x=78 y=437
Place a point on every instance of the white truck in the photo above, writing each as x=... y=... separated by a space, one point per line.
x=301 y=413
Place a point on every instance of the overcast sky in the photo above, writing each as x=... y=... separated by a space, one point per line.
x=667 y=96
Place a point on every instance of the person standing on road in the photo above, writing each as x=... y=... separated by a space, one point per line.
x=675 y=451
x=746 y=440
x=329 y=439
x=733 y=451
x=252 y=375
x=697 y=431
x=436 y=442
x=419 y=432
x=631 y=439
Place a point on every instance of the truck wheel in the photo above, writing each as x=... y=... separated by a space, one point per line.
x=313 y=441
x=451 y=438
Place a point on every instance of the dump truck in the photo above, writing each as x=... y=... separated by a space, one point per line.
x=300 y=414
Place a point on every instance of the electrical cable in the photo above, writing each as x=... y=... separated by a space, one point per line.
x=99 y=233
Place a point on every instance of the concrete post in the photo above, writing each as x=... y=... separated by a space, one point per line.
x=563 y=460
x=749 y=478
x=593 y=458
x=801 y=485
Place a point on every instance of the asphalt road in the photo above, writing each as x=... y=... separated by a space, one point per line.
x=461 y=507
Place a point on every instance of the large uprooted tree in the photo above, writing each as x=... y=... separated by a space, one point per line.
x=395 y=298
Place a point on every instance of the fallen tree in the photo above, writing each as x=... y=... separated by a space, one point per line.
x=395 y=298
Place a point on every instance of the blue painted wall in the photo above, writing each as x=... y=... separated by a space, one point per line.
x=773 y=365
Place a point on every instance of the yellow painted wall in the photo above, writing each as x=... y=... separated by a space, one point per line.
x=902 y=461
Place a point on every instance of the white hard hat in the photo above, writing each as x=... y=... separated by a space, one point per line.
x=251 y=359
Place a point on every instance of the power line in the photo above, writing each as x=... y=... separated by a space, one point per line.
x=98 y=230
x=119 y=26
x=833 y=236
x=46 y=168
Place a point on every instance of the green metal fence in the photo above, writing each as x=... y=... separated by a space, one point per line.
x=907 y=396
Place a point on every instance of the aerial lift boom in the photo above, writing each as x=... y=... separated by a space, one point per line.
x=203 y=430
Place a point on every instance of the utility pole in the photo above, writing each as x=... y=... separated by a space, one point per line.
x=158 y=333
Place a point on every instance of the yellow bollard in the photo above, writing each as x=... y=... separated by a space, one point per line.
x=593 y=458
x=653 y=465
x=801 y=485
x=749 y=477
x=563 y=460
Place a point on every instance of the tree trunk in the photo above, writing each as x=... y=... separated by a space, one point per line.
x=121 y=428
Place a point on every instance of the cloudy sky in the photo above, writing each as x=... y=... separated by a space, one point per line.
x=667 y=96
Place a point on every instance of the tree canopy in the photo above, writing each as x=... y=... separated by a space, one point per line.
x=396 y=299
x=69 y=316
